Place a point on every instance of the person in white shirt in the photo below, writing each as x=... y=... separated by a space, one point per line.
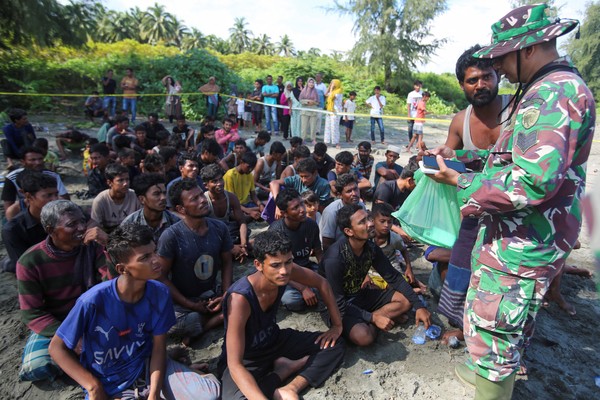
x=349 y=107
x=377 y=103
x=412 y=100
x=241 y=104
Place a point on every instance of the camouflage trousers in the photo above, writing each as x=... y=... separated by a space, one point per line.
x=499 y=319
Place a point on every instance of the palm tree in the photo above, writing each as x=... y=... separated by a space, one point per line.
x=136 y=19
x=313 y=51
x=239 y=36
x=262 y=45
x=285 y=46
x=157 y=24
x=218 y=44
x=180 y=31
x=337 y=55
x=116 y=26
x=194 y=40
x=83 y=18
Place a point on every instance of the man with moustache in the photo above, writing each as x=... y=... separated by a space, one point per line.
x=192 y=252
x=527 y=198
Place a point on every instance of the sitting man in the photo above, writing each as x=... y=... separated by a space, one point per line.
x=239 y=181
x=50 y=277
x=348 y=192
x=99 y=157
x=17 y=134
x=363 y=160
x=73 y=140
x=267 y=168
x=25 y=229
x=259 y=355
x=307 y=179
x=226 y=135
x=225 y=207
x=209 y=153
x=12 y=196
x=345 y=265
x=93 y=106
x=153 y=126
x=232 y=159
x=121 y=128
x=325 y=162
x=300 y=153
x=343 y=165
x=152 y=195
x=122 y=324
x=388 y=170
x=114 y=204
x=394 y=192
x=257 y=145
x=192 y=252
x=185 y=132
x=304 y=236
x=188 y=168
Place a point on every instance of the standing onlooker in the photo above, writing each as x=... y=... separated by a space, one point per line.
x=377 y=103
x=322 y=92
x=281 y=88
x=349 y=107
x=286 y=100
x=211 y=91
x=295 y=117
x=270 y=95
x=17 y=135
x=129 y=84
x=257 y=108
x=412 y=100
x=240 y=104
x=109 y=86
x=173 y=101
x=334 y=104
x=418 y=126
x=309 y=99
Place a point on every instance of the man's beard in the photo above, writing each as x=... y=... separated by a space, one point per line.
x=483 y=97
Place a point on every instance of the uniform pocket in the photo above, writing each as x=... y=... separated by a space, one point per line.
x=502 y=302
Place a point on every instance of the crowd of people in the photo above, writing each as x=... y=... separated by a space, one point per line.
x=102 y=290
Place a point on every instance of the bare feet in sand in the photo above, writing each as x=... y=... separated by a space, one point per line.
x=458 y=333
x=284 y=367
x=555 y=296
x=284 y=393
x=522 y=369
x=573 y=270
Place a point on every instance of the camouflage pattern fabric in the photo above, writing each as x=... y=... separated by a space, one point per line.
x=527 y=200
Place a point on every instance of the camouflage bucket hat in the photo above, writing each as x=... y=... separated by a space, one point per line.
x=524 y=27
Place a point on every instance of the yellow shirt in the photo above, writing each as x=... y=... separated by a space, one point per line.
x=132 y=84
x=240 y=185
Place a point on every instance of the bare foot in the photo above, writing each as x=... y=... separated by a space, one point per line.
x=522 y=368
x=573 y=270
x=284 y=393
x=284 y=367
x=554 y=295
x=458 y=333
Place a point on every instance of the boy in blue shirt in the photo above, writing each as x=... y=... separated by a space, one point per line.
x=120 y=329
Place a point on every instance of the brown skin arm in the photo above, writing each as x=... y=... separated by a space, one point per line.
x=260 y=164
x=455 y=131
x=68 y=361
x=223 y=162
x=178 y=298
x=327 y=242
x=238 y=312
x=386 y=173
x=157 y=365
x=364 y=183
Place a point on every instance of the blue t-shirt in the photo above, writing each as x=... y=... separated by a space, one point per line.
x=383 y=164
x=117 y=336
x=196 y=259
x=332 y=175
x=270 y=89
x=320 y=186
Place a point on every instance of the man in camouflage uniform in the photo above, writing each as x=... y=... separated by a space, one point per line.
x=527 y=198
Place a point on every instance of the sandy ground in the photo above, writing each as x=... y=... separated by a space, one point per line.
x=562 y=358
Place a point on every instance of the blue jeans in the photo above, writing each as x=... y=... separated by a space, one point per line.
x=130 y=104
x=109 y=103
x=211 y=110
x=271 y=119
x=381 y=131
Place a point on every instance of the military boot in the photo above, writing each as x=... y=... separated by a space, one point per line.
x=465 y=374
x=489 y=390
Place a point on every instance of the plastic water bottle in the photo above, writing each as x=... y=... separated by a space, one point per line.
x=419 y=336
x=453 y=342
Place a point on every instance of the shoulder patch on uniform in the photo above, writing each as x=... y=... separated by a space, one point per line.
x=526 y=140
x=530 y=117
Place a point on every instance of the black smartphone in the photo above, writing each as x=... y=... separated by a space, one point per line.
x=431 y=162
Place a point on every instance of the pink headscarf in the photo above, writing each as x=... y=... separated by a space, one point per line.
x=309 y=93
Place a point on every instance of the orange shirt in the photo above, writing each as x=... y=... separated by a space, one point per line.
x=131 y=84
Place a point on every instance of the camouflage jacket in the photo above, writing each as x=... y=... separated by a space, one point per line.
x=528 y=196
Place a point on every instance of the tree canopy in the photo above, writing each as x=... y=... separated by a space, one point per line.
x=585 y=51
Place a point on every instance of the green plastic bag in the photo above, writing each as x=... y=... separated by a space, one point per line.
x=430 y=214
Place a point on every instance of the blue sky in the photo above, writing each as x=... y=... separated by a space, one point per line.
x=308 y=24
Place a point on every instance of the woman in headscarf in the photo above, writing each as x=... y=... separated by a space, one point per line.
x=173 y=101
x=286 y=100
x=310 y=100
x=334 y=104
x=295 y=125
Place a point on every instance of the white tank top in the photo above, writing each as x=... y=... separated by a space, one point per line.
x=466 y=139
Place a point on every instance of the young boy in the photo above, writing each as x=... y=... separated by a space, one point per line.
x=418 y=126
x=50 y=157
x=239 y=181
x=241 y=104
x=349 y=107
x=122 y=325
x=260 y=356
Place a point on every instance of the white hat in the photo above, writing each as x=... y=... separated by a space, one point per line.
x=394 y=149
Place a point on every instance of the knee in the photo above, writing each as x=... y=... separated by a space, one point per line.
x=362 y=335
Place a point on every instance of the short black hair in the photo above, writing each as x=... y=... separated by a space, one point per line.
x=153 y=163
x=121 y=118
x=352 y=93
x=365 y=144
x=16 y=114
x=167 y=152
x=143 y=182
x=240 y=142
x=320 y=149
x=383 y=209
x=285 y=196
x=307 y=165
x=228 y=120
x=277 y=148
x=426 y=94
x=302 y=152
x=345 y=214
x=162 y=135
x=121 y=141
x=377 y=87
x=407 y=173
x=249 y=158
x=113 y=170
x=344 y=157
x=125 y=238
x=184 y=157
x=467 y=60
x=264 y=135
x=153 y=114
x=344 y=180
x=176 y=141
x=418 y=82
x=211 y=172
x=101 y=149
x=139 y=128
x=210 y=146
x=33 y=181
x=295 y=141
x=125 y=152
x=178 y=188
x=180 y=117
x=30 y=149
x=310 y=196
x=40 y=143
x=271 y=243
